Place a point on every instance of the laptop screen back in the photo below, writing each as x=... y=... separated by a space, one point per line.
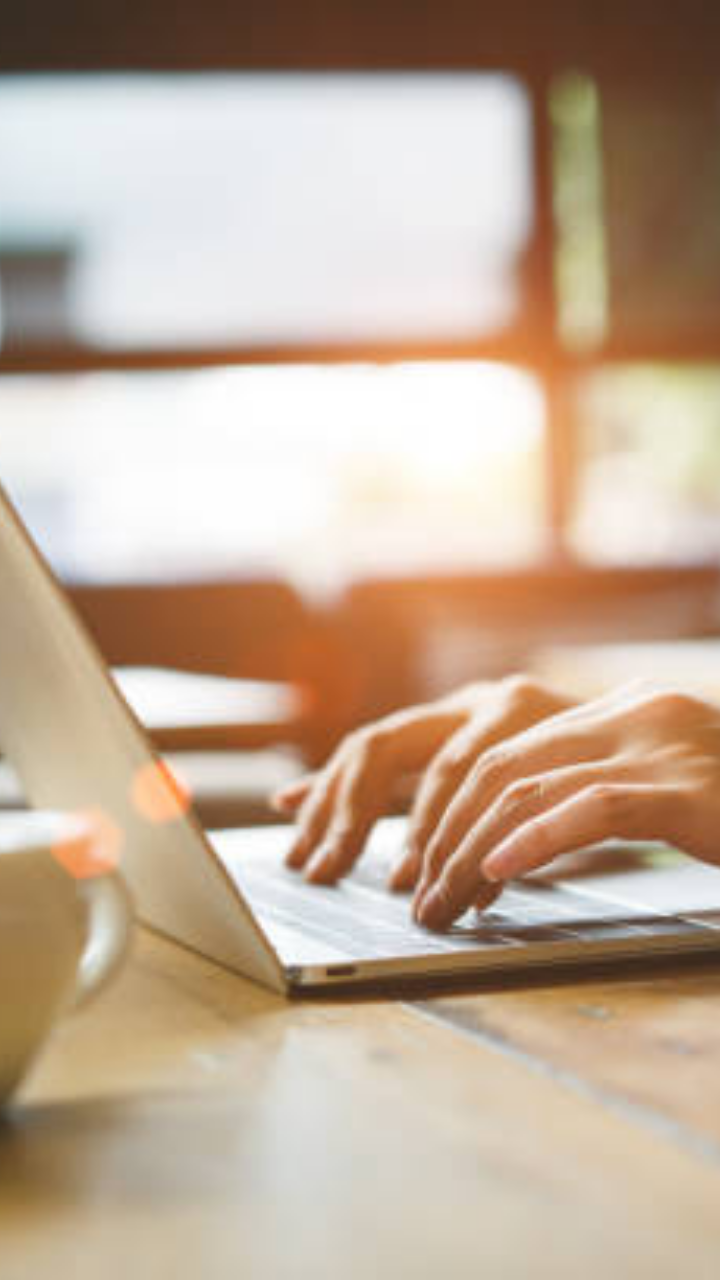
x=75 y=745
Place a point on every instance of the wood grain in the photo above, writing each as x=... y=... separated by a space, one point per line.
x=651 y=1045
x=193 y=1124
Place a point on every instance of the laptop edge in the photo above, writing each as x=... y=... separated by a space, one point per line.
x=76 y=744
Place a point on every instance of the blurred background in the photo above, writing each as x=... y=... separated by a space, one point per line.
x=365 y=348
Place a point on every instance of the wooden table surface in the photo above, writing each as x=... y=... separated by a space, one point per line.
x=193 y=1125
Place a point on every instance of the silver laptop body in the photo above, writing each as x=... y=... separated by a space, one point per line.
x=75 y=744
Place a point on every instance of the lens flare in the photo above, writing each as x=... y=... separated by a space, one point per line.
x=94 y=852
x=158 y=795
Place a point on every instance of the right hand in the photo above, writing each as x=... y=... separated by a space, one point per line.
x=337 y=807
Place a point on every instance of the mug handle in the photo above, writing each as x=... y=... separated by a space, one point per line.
x=109 y=933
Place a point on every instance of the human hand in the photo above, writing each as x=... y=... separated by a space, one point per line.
x=337 y=807
x=636 y=764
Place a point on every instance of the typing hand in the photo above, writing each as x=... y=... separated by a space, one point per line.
x=337 y=807
x=634 y=765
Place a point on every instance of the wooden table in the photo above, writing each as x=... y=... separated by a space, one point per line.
x=194 y=1125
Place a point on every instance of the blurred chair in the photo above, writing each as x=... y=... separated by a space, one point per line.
x=256 y=630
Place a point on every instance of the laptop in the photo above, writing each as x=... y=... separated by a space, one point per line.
x=75 y=744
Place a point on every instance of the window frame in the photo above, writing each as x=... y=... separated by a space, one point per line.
x=518 y=37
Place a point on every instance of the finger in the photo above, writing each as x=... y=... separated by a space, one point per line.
x=405 y=874
x=627 y=811
x=444 y=776
x=398 y=745
x=524 y=708
x=555 y=744
x=364 y=794
x=288 y=799
x=313 y=819
x=460 y=877
x=451 y=896
x=362 y=797
x=442 y=779
x=487 y=894
x=369 y=766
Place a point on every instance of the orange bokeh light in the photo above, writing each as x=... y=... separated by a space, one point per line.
x=158 y=794
x=94 y=854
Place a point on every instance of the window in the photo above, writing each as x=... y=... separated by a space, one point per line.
x=254 y=213
x=639 y=258
x=314 y=472
x=299 y=229
x=190 y=210
x=649 y=474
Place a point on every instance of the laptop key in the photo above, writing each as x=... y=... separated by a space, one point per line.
x=348 y=921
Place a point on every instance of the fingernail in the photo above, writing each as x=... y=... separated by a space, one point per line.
x=281 y=793
x=492 y=868
x=433 y=911
x=294 y=856
x=322 y=866
x=300 y=846
x=401 y=876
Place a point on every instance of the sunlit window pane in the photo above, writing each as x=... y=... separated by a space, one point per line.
x=199 y=209
x=649 y=482
x=313 y=472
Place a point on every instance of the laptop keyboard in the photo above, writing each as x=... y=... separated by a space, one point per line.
x=362 y=920
x=342 y=918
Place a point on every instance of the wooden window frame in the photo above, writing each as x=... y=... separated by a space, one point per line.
x=534 y=41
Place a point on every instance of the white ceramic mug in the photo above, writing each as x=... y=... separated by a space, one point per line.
x=65 y=928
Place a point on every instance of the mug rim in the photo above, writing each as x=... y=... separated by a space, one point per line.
x=42 y=830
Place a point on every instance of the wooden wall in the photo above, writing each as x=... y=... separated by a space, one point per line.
x=633 y=35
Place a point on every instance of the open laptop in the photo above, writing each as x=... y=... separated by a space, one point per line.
x=75 y=744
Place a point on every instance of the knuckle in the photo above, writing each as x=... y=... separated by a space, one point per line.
x=441 y=770
x=381 y=735
x=453 y=759
x=609 y=799
x=521 y=794
x=352 y=743
x=602 y=794
x=671 y=704
x=449 y=776
x=365 y=746
x=520 y=689
x=362 y=758
x=491 y=768
x=380 y=739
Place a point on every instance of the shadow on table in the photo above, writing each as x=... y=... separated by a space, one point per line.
x=131 y=1153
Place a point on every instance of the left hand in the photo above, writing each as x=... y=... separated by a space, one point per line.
x=636 y=765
